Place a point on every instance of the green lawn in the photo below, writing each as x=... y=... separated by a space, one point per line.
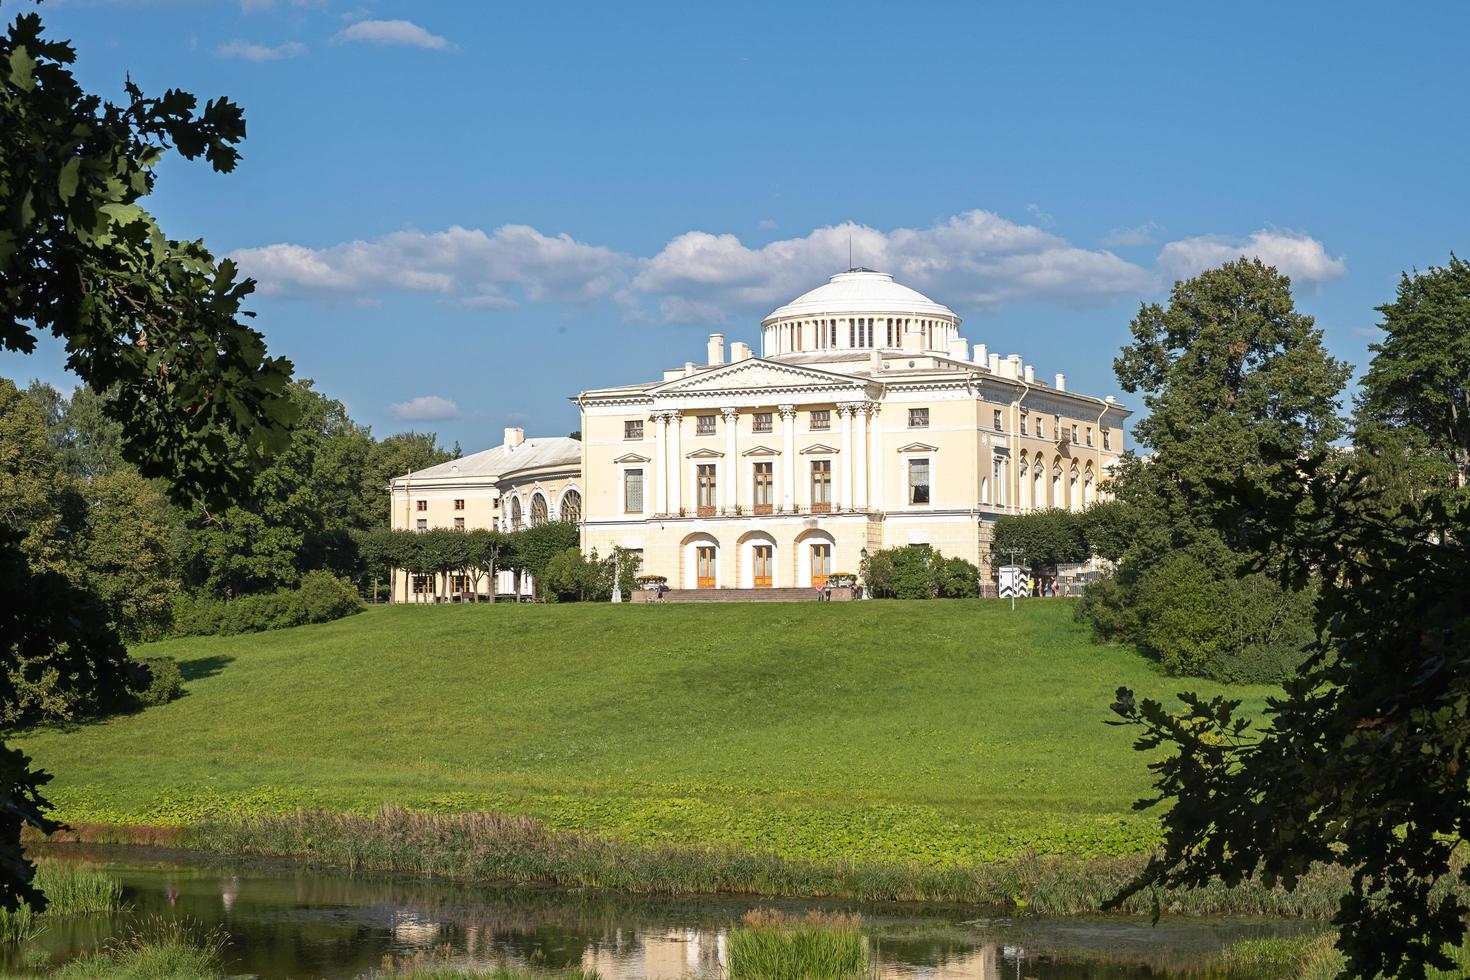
x=936 y=731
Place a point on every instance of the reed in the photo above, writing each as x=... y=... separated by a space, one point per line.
x=492 y=846
x=77 y=888
x=157 y=949
x=770 y=945
x=1308 y=958
x=18 y=926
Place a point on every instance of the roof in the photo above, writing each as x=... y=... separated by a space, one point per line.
x=861 y=291
x=500 y=462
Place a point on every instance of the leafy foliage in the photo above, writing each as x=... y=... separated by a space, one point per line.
x=165 y=681
x=919 y=572
x=320 y=597
x=1234 y=378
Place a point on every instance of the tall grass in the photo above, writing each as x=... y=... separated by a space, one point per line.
x=495 y=973
x=491 y=846
x=770 y=945
x=158 y=949
x=1308 y=958
x=71 y=889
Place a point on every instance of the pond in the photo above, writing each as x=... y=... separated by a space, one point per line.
x=289 y=920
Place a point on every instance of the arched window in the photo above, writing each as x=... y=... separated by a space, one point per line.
x=515 y=513
x=1074 y=500
x=538 y=509
x=571 y=506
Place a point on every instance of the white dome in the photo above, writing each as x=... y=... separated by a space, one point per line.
x=862 y=291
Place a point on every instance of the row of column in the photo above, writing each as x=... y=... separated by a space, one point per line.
x=857 y=480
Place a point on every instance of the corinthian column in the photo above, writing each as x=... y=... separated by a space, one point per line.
x=860 y=458
x=676 y=463
x=660 y=465
x=844 y=500
x=731 y=481
x=788 y=457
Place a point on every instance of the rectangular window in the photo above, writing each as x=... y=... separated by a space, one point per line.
x=821 y=485
x=421 y=505
x=760 y=422
x=704 y=425
x=918 y=481
x=632 y=491
x=459 y=523
x=421 y=525
x=918 y=418
x=1023 y=425
x=706 y=489
x=459 y=505
x=1074 y=433
x=459 y=583
x=420 y=584
x=633 y=429
x=1089 y=435
x=1040 y=427
x=1107 y=439
x=999 y=423
x=821 y=419
x=764 y=491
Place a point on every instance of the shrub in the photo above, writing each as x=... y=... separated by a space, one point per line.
x=919 y=572
x=320 y=598
x=573 y=577
x=165 y=681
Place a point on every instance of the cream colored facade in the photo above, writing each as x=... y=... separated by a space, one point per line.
x=866 y=423
x=520 y=482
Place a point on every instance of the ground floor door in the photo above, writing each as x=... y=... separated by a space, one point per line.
x=821 y=564
x=762 y=556
x=704 y=567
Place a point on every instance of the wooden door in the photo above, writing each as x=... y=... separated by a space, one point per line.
x=704 y=564
x=821 y=564
x=762 y=554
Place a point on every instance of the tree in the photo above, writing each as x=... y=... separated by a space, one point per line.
x=918 y=572
x=1044 y=539
x=573 y=577
x=533 y=547
x=1233 y=378
x=200 y=403
x=124 y=552
x=1362 y=761
x=1413 y=413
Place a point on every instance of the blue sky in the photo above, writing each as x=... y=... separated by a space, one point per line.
x=462 y=213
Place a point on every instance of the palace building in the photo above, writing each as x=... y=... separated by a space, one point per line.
x=865 y=422
x=520 y=482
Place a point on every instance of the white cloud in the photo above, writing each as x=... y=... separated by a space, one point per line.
x=400 y=33
x=1297 y=255
x=479 y=270
x=426 y=408
x=246 y=51
x=1136 y=235
x=974 y=261
x=976 y=258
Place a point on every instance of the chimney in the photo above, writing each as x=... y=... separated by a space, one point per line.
x=1030 y=375
x=688 y=368
x=1061 y=384
x=1014 y=366
x=875 y=361
x=739 y=351
x=514 y=436
x=995 y=364
x=716 y=349
x=959 y=349
x=982 y=354
x=1109 y=399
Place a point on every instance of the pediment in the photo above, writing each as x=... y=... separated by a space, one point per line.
x=761 y=451
x=918 y=447
x=704 y=454
x=819 y=448
x=632 y=458
x=756 y=372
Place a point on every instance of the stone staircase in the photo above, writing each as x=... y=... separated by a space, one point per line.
x=740 y=595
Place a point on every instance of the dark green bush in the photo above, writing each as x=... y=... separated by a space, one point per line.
x=320 y=598
x=919 y=572
x=165 y=681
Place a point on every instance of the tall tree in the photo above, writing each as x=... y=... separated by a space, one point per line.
x=1415 y=398
x=1233 y=377
x=155 y=319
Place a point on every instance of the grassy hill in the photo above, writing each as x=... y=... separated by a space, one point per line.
x=931 y=731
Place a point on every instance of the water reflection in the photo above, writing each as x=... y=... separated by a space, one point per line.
x=287 y=921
